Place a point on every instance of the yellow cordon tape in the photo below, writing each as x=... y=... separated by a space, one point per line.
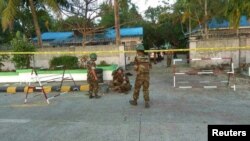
x=200 y=49
x=61 y=52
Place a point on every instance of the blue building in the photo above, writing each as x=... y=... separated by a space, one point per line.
x=129 y=36
x=221 y=28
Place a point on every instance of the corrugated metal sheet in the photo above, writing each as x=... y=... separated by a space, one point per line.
x=225 y=24
x=219 y=24
x=55 y=36
x=125 y=32
x=67 y=37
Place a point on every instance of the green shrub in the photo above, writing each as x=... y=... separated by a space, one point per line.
x=21 y=44
x=69 y=62
x=103 y=63
x=2 y=59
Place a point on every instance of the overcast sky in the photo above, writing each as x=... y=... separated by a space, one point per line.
x=144 y=4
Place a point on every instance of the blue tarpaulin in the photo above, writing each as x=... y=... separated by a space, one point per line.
x=50 y=36
x=55 y=38
x=225 y=24
x=125 y=32
x=218 y=24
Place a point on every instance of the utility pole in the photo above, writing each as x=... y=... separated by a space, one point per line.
x=206 y=17
x=190 y=22
x=117 y=23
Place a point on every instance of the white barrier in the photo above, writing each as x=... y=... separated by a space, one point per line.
x=230 y=73
x=46 y=79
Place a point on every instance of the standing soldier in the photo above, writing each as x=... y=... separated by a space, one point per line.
x=92 y=77
x=142 y=67
x=169 y=54
x=169 y=58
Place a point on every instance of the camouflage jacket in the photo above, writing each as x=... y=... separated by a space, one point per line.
x=142 y=64
x=119 y=79
x=91 y=65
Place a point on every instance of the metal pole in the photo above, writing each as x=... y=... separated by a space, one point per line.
x=117 y=23
x=174 y=71
x=206 y=16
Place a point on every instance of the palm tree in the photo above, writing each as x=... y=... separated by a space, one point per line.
x=235 y=9
x=200 y=12
x=10 y=8
x=37 y=28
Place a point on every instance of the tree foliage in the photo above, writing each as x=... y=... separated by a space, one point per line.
x=153 y=14
x=107 y=15
x=21 y=44
x=129 y=16
x=235 y=9
x=2 y=59
x=164 y=26
x=83 y=11
x=194 y=10
x=11 y=11
x=69 y=62
x=165 y=23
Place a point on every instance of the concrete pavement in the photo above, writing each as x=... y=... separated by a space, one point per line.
x=175 y=114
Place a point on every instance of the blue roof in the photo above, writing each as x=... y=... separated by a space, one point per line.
x=60 y=37
x=225 y=24
x=56 y=35
x=215 y=24
x=125 y=32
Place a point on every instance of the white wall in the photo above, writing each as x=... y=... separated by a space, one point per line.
x=27 y=77
x=219 y=43
x=42 y=60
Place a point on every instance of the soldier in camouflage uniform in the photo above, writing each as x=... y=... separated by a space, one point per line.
x=169 y=58
x=142 y=67
x=120 y=81
x=92 y=77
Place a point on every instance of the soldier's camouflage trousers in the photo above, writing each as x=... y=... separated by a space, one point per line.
x=169 y=60
x=125 y=87
x=93 y=87
x=144 y=82
x=122 y=88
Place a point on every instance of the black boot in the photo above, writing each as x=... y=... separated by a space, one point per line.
x=90 y=93
x=147 y=104
x=91 y=96
x=97 y=96
x=133 y=102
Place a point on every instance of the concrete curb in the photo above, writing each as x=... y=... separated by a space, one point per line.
x=48 y=89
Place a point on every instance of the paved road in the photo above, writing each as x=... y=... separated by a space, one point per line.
x=175 y=114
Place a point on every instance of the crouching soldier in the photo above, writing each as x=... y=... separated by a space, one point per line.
x=120 y=81
x=142 y=67
x=92 y=77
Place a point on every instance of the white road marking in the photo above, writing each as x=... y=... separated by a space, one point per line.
x=14 y=120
